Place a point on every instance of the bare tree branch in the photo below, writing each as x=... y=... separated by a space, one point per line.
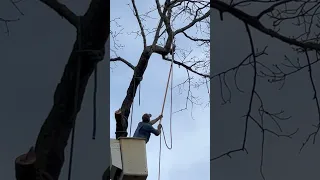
x=62 y=10
x=15 y=5
x=124 y=61
x=48 y=155
x=136 y=14
x=6 y=22
x=166 y=20
x=192 y=23
x=189 y=68
x=315 y=97
x=255 y=23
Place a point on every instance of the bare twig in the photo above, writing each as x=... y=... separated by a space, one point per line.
x=315 y=97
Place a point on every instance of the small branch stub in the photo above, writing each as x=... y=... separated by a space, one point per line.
x=25 y=166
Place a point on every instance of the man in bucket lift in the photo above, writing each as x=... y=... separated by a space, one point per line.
x=143 y=130
x=145 y=127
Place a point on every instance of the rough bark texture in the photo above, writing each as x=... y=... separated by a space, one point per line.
x=25 y=166
x=55 y=131
x=122 y=123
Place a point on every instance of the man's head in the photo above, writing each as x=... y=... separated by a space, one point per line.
x=146 y=117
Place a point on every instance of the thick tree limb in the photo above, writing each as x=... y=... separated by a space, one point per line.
x=26 y=169
x=25 y=166
x=62 y=10
x=122 y=123
x=254 y=22
x=166 y=20
x=55 y=131
x=136 y=14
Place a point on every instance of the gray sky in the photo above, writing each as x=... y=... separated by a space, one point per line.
x=33 y=58
x=281 y=161
x=189 y=158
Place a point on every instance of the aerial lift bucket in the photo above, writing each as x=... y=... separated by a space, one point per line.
x=128 y=159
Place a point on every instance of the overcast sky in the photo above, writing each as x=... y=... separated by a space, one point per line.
x=189 y=158
x=230 y=45
x=32 y=61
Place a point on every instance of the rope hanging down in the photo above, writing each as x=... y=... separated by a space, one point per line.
x=95 y=88
x=134 y=92
x=164 y=101
x=76 y=96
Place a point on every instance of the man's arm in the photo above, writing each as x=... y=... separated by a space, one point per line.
x=152 y=122
x=153 y=130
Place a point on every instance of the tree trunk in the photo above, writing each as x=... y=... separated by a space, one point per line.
x=122 y=123
x=25 y=166
x=55 y=131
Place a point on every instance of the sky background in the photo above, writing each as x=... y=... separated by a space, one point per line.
x=230 y=45
x=32 y=61
x=189 y=158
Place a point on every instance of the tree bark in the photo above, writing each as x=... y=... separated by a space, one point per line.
x=55 y=131
x=122 y=123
